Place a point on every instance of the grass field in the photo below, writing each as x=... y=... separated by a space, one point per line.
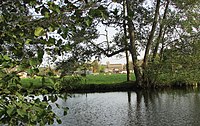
x=107 y=79
x=89 y=79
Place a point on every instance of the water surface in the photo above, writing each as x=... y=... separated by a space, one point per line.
x=147 y=108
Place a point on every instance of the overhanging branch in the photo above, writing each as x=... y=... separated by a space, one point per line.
x=109 y=54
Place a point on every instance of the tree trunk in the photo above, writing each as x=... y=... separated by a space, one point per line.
x=127 y=66
x=162 y=48
x=151 y=36
x=126 y=43
x=160 y=32
x=149 y=43
x=133 y=49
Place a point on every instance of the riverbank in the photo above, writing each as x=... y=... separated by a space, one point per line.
x=118 y=87
x=125 y=86
x=90 y=83
x=79 y=88
x=98 y=83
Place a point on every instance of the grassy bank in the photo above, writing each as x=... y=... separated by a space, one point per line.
x=89 y=83
x=106 y=79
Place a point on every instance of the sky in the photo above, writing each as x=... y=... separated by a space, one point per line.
x=115 y=59
x=111 y=32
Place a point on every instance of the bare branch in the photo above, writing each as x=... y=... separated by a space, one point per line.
x=105 y=51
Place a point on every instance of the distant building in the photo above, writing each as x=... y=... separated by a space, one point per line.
x=120 y=68
x=114 y=68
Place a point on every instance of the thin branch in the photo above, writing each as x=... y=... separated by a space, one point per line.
x=105 y=51
x=107 y=38
x=151 y=36
x=112 y=22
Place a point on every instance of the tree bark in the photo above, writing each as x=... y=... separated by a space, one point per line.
x=126 y=43
x=151 y=36
x=133 y=49
x=160 y=32
x=162 y=48
x=146 y=80
x=127 y=66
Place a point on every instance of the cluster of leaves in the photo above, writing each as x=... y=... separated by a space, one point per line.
x=179 y=65
x=177 y=30
x=25 y=27
x=22 y=49
x=19 y=110
x=19 y=107
x=68 y=83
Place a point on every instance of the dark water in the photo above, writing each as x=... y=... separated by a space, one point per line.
x=147 y=108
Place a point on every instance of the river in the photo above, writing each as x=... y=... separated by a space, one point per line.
x=144 y=108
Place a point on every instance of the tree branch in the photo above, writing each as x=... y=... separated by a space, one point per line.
x=151 y=36
x=109 y=54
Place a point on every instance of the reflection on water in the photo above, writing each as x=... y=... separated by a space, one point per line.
x=145 y=108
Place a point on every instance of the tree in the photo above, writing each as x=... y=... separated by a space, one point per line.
x=25 y=38
x=22 y=49
x=125 y=42
x=175 y=46
x=149 y=28
x=161 y=31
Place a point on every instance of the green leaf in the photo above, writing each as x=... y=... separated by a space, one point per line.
x=2 y=112
x=28 y=41
x=39 y=31
x=44 y=11
x=50 y=122
x=40 y=55
x=30 y=71
x=6 y=65
x=19 y=96
x=59 y=42
x=67 y=48
x=49 y=107
x=51 y=29
x=57 y=9
x=10 y=111
x=65 y=110
x=21 y=112
x=51 y=81
x=6 y=57
x=33 y=118
x=33 y=62
x=57 y=105
x=58 y=120
x=43 y=80
x=51 y=40
x=88 y=22
x=6 y=91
